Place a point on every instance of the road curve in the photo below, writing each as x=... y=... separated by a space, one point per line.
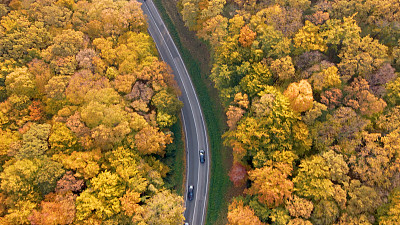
x=192 y=116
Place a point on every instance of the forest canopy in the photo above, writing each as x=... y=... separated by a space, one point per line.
x=311 y=94
x=85 y=112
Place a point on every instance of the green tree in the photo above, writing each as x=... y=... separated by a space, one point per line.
x=64 y=65
x=350 y=220
x=106 y=138
x=106 y=96
x=3 y=10
x=211 y=9
x=337 y=166
x=165 y=120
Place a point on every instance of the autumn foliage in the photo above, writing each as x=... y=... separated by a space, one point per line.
x=242 y=215
x=300 y=96
x=238 y=174
x=319 y=130
x=271 y=185
x=85 y=112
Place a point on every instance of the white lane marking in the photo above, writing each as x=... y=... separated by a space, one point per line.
x=198 y=171
x=201 y=115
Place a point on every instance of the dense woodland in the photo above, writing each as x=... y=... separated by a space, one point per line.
x=85 y=111
x=312 y=97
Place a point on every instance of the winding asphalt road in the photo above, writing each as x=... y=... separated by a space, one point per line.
x=192 y=116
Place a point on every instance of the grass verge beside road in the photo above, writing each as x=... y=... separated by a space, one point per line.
x=214 y=116
x=175 y=153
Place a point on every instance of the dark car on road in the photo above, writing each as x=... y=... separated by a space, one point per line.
x=202 y=154
x=190 y=193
